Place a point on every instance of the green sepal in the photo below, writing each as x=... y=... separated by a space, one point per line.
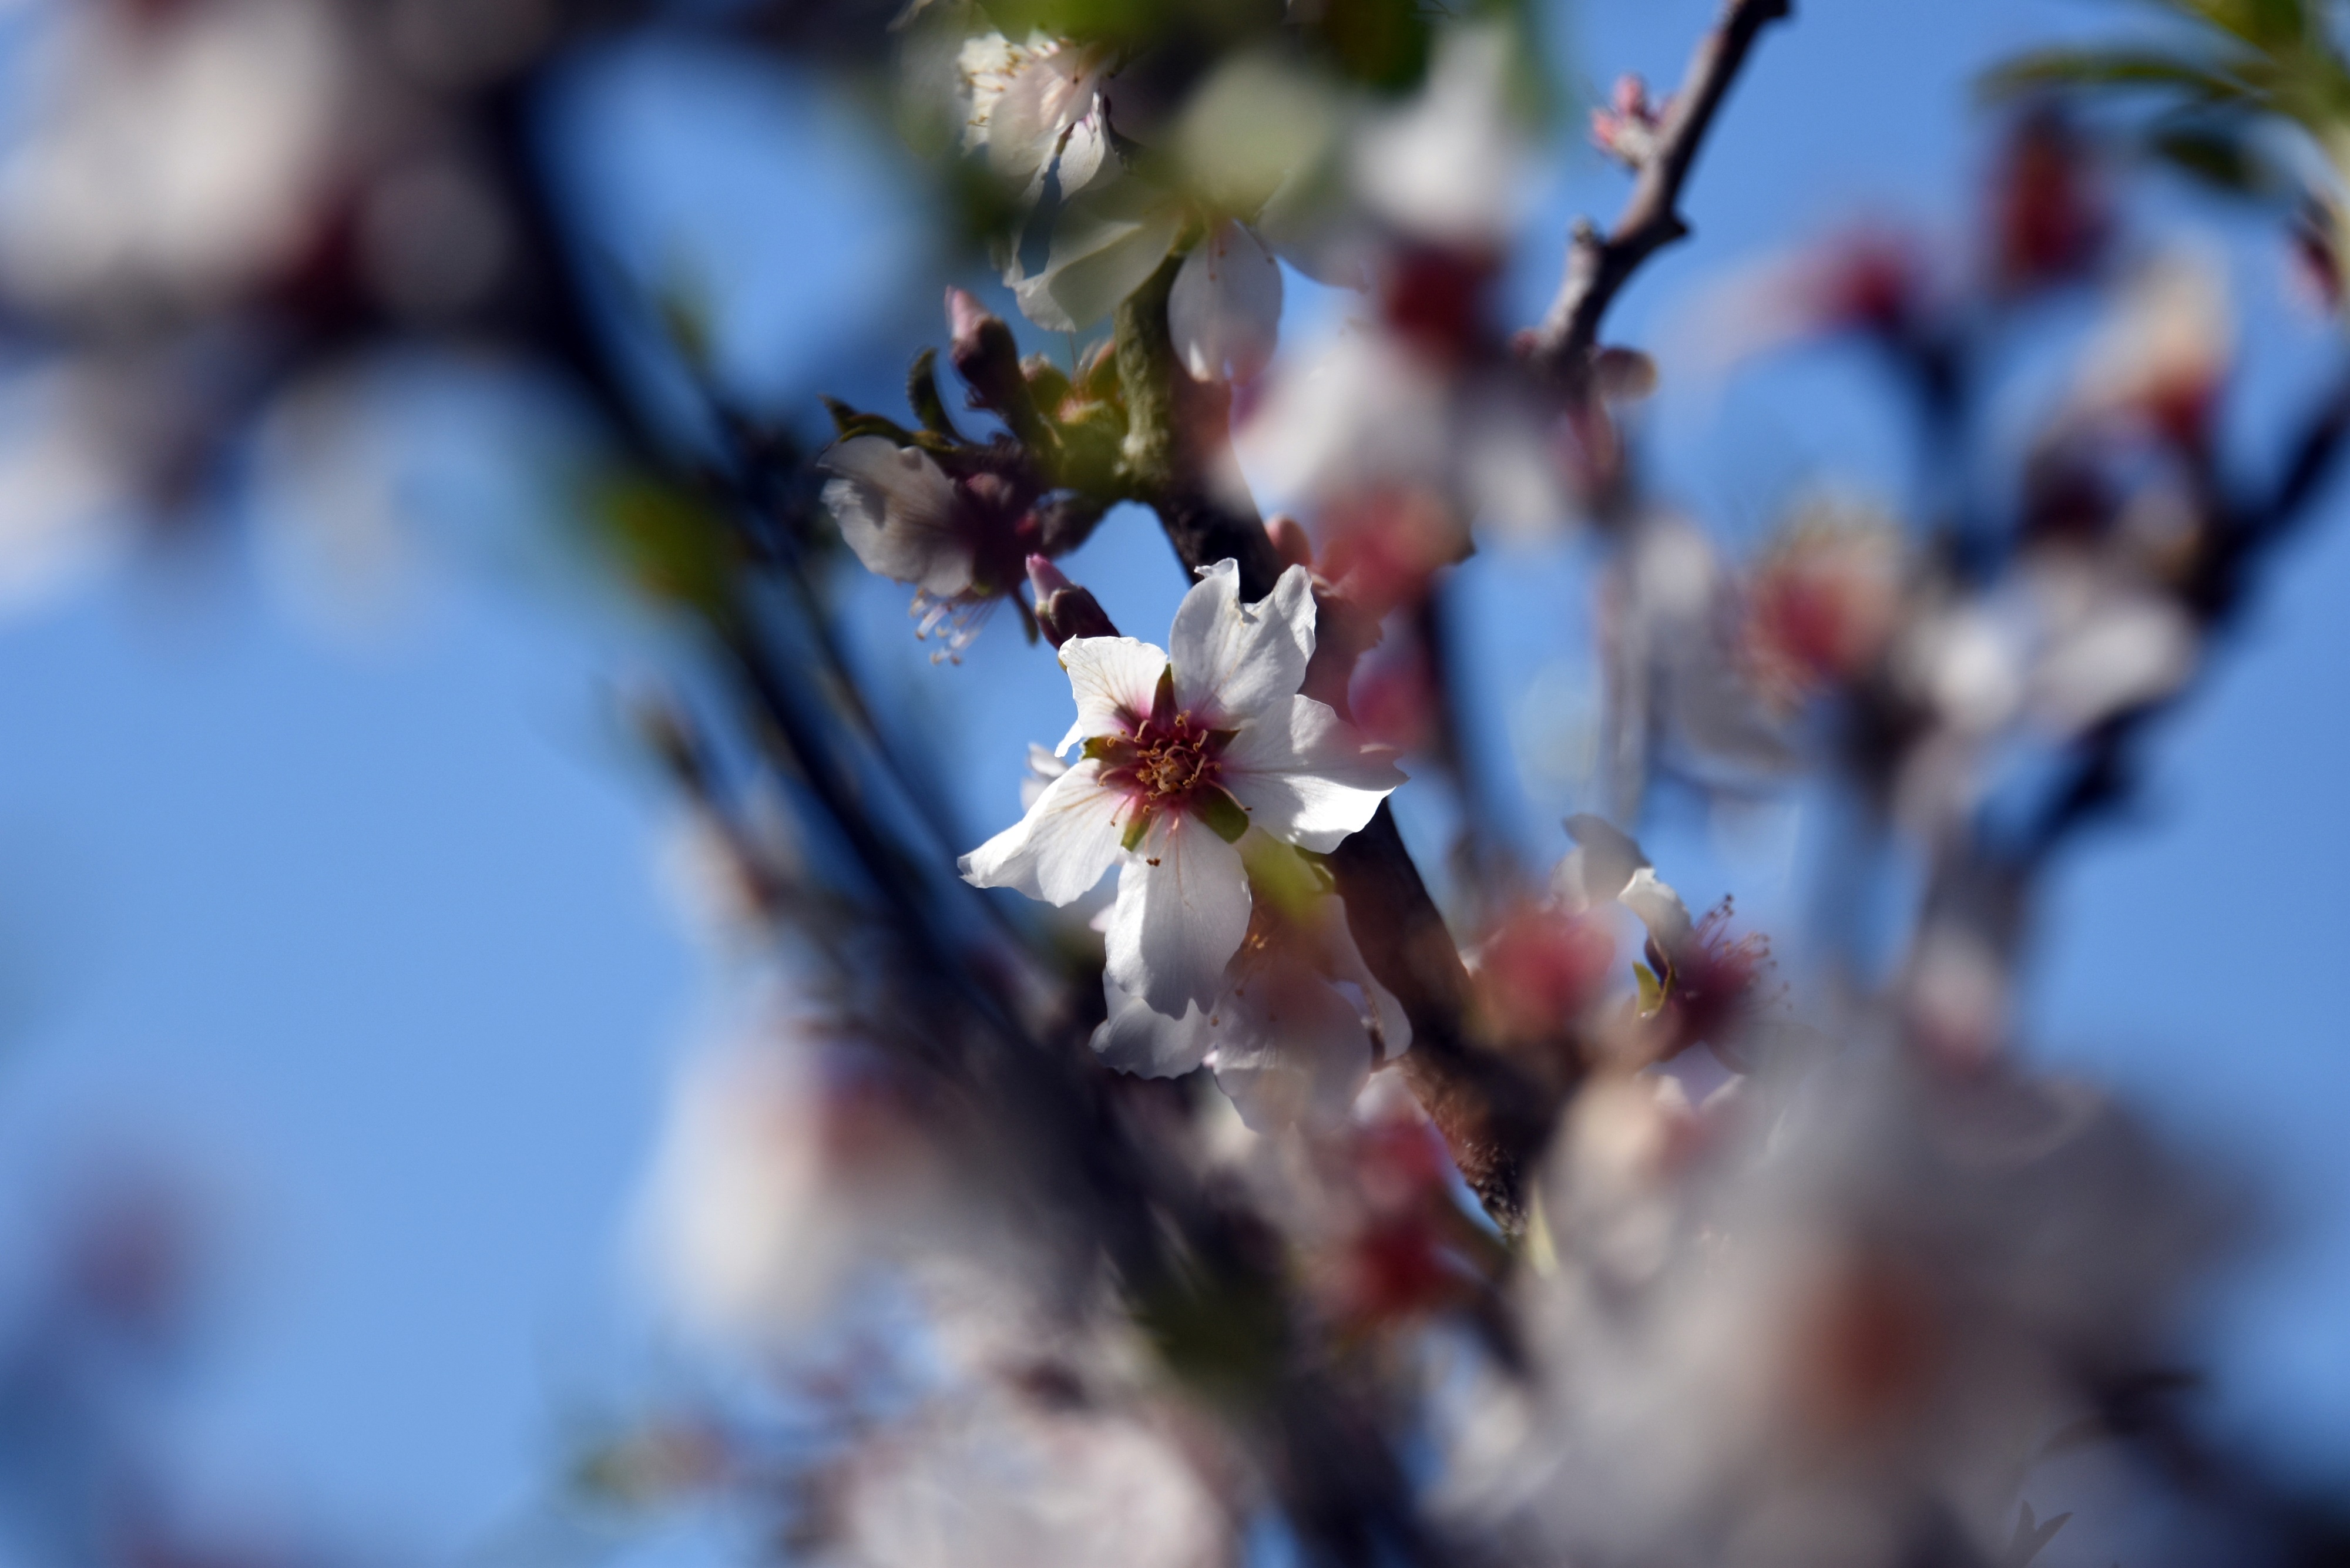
x=849 y=424
x=1135 y=828
x=1652 y=991
x=1048 y=384
x=922 y=394
x=1214 y=805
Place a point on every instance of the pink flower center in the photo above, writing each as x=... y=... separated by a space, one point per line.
x=1169 y=760
x=1163 y=764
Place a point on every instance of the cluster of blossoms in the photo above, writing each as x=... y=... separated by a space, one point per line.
x=1201 y=771
x=1308 y=1193
x=1752 y=1275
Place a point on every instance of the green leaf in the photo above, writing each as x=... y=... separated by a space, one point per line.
x=2220 y=156
x=670 y=543
x=2110 y=69
x=2264 y=23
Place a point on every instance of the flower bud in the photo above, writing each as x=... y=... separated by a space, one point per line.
x=986 y=357
x=1289 y=540
x=1064 y=611
x=1629 y=128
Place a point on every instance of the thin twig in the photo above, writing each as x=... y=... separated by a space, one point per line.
x=1597 y=266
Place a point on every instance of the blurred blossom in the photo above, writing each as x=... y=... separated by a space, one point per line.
x=1699 y=985
x=1874 y=281
x=2163 y=352
x=1884 y=1311
x=108 y=1289
x=1394 y=451
x=1822 y=602
x=2110 y=641
x=1226 y=306
x=2049 y=209
x=963 y=542
x=1449 y=167
x=175 y=153
x=1538 y=968
x=1668 y=619
x=1626 y=126
x=997 y=1481
x=789 y=1165
x=904 y=518
x=65 y=507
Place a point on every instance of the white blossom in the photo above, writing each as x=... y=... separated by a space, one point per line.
x=900 y=513
x=1447 y=165
x=1294 y=1032
x=1182 y=756
x=784 y=1174
x=1036 y=108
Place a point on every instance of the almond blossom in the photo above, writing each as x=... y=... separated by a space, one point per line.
x=1182 y=755
x=1294 y=1035
x=1036 y=108
x=959 y=542
x=898 y=511
x=1224 y=314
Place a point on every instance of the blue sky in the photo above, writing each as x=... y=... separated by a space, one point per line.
x=369 y=924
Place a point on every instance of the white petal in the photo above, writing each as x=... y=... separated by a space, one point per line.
x=1295 y=1052
x=897 y=509
x=1306 y=776
x=1233 y=660
x=1106 y=244
x=1342 y=959
x=1445 y=166
x=1036 y=105
x=1225 y=310
x=1061 y=847
x=1597 y=867
x=1083 y=154
x=1134 y=1039
x=1044 y=767
x=1177 y=923
x=1113 y=680
x=1659 y=908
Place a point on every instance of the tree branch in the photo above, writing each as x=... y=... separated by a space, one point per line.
x=1598 y=267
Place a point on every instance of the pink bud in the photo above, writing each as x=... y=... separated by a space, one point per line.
x=1289 y=540
x=965 y=317
x=1064 y=611
x=1046 y=578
